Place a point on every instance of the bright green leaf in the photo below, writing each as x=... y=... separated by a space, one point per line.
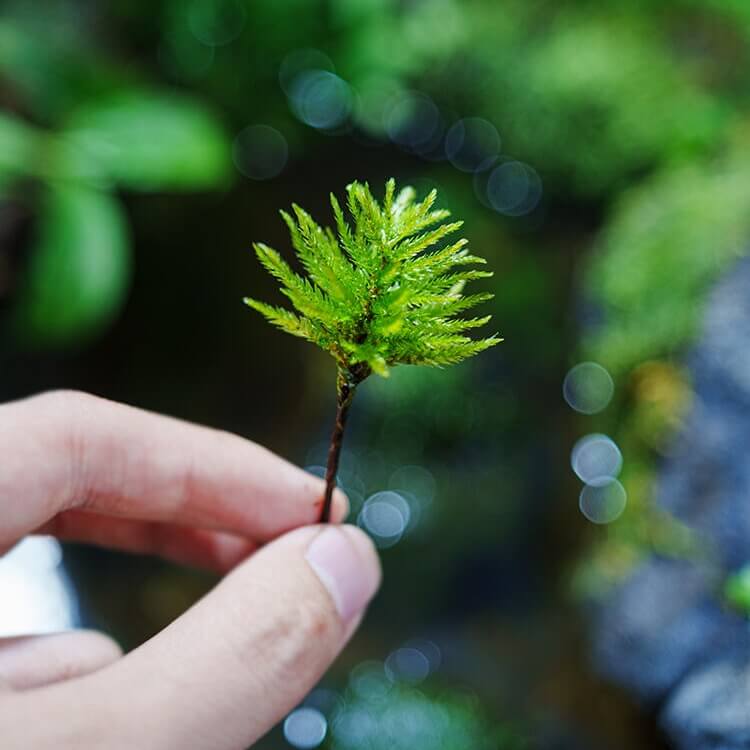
x=147 y=141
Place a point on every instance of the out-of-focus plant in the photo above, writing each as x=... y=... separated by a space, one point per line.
x=737 y=590
x=101 y=136
x=378 y=294
x=397 y=716
x=78 y=269
x=665 y=246
x=605 y=91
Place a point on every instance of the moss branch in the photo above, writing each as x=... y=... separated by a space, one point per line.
x=346 y=385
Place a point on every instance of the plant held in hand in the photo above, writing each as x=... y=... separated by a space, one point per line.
x=376 y=294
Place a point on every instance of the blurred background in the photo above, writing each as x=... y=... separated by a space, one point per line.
x=563 y=521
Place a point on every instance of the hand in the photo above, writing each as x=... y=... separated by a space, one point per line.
x=224 y=673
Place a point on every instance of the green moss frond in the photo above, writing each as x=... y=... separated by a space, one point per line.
x=379 y=290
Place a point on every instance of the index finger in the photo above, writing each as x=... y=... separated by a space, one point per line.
x=66 y=450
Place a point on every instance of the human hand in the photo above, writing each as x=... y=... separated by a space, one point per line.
x=226 y=671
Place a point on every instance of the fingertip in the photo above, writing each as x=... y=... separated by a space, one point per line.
x=103 y=647
x=345 y=562
x=339 y=506
x=367 y=552
x=32 y=661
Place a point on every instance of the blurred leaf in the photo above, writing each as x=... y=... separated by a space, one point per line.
x=78 y=271
x=19 y=146
x=146 y=141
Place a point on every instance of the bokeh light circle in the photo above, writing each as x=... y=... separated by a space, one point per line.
x=480 y=178
x=260 y=152
x=305 y=728
x=470 y=142
x=354 y=728
x=430 y=649
x=514 y=189
x=603 y=500
x=385 y=516
x=416 y=480
x=216 y=22
x=413 y=120
x=376 y=96
x=325 y=700
x=369 y=681
x=299 y=62
x=588 y=388
x=407 y=664
x=321 y=99
x=596 y=457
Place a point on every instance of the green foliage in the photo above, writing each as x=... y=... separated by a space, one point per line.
x=78 y=273
x=19 y=145
x=139 y=139
x=79 y=267
x=737 y=590
x=84 y=125
x=615 y=100
x=147 y=141
x=376 y=714
x=603 y=93
x=378 y=293
x=664 y=247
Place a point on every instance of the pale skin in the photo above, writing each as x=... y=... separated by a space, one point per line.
x=226 y=671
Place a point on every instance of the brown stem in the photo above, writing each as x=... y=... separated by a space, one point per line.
x=345 y=387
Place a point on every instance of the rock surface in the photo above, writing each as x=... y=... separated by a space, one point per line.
x=711 y=707
x=664 y=634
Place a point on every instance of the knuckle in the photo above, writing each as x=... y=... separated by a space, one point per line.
x=66 y=401
x=68 y=411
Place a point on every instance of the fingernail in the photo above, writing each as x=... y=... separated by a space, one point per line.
x=344 y=560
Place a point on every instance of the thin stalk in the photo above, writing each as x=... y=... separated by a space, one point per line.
x=345 y=387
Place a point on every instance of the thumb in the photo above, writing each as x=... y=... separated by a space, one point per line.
x=228 y=670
